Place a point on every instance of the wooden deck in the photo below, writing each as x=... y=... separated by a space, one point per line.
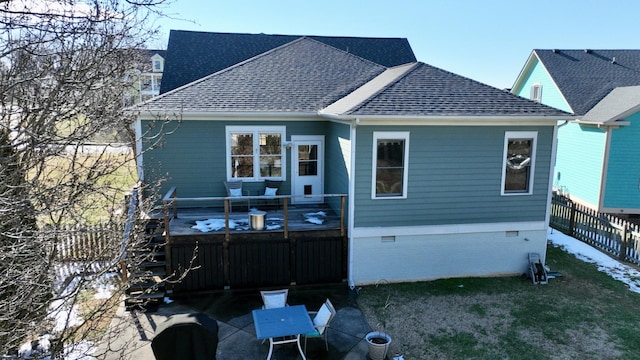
x=310 y=249
x=208 y=248
x=212 y=220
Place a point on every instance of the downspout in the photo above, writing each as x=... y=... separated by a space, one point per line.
x=351 y=206
x=552 y=173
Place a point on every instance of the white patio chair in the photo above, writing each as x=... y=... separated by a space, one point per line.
x=321 y=320
x=274 y=298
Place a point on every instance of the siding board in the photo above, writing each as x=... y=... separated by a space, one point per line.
x=622 y=188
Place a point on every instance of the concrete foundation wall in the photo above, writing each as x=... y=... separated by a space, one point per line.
x=428 y=253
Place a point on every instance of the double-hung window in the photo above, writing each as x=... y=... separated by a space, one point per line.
x=390 y=165
x=255 y=153
x=518 y=162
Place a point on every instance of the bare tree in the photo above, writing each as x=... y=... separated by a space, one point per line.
x=62 y=70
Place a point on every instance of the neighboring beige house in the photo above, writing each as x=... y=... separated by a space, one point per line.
x=146 y=79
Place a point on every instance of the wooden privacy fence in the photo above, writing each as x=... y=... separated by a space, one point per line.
x=86 y=242
x=608 y=233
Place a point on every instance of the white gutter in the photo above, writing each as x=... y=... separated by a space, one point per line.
x=158 y=113
x=449 y=120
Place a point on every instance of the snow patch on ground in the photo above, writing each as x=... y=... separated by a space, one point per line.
x=617 y=270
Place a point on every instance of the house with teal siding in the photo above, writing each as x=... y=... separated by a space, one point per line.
x=596 y=162
x=444 y=176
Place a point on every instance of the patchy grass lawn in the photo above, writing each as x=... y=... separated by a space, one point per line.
x=585 y=314
x=98 y=182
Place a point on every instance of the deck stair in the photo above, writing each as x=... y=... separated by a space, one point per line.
x=147 y=269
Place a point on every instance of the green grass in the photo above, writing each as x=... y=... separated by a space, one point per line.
x=583 y=314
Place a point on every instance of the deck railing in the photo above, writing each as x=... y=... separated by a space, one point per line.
x=170 y=207
x=126 y=236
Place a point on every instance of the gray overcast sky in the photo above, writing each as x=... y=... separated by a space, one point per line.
x=486 y=40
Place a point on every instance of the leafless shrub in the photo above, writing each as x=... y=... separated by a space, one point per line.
x=63 y=65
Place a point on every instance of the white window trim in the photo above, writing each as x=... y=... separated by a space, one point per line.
x=160 y=61
x=256 y=130
x=400 y=135
x=508 y=135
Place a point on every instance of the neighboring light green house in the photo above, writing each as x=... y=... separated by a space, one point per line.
x=445 y=176
x=597 y=157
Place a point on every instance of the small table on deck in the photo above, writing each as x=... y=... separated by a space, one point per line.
x=282 y=322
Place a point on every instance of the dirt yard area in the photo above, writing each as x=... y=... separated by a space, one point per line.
x=582 y=314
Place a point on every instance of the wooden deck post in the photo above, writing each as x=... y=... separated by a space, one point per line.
x=285 y=210
x=167 y=240
x=342 y=206
x=226 y=220
x=123 y=269
x=226 y=273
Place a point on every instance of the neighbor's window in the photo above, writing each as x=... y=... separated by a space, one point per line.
x=536 y=92
x=157 y=62
x=519 y=161
x=255 y=153
x=390 y=164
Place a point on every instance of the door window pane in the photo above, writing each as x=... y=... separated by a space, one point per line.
x=307 y=160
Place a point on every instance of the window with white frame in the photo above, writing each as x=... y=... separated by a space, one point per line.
x=519 y=162
x=390 y=165
x=536 y=92
x=255 y=153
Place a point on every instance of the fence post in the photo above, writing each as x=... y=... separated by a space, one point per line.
x=623 y=244
x=572 y=219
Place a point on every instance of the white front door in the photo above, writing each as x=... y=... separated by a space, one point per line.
x=307 y=180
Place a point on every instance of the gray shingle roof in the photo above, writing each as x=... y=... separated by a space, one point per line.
x=193 y=55
x=301 y=76
x=586 y=77
x=429 y=91
x=307 y=76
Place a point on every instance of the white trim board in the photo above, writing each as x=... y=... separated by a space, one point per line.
x=447 y=229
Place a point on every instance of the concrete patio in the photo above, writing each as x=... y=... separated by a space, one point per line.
x=132 y=332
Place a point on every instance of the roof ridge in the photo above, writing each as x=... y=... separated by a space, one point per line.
x=367 y=91
x=411 y=69
x=340 y=50
x=293 y=35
